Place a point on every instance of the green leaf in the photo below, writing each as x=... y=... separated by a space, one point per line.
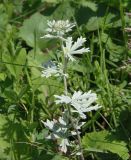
x=60 y=13
x=4 y=144
x=32 y=29
x=15 y=63
x=105 y=142
x=91 y=5
x=94 y=23
x=116 y=51
x=50 y=1
x=2 y=76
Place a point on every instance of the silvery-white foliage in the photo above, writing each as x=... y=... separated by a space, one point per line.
x=59 y=130
x=54 y=70
x=71 y=48
x=81 y=102
x=57 y=29
x=62 y=99
x=49 y=36
x=49 y=71
x=58 y=127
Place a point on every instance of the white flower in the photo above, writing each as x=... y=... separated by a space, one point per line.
x=81 y=102
x=49 y=124
x=71 y=49
x=63 y=145
x=53 y=37
x=54 y=70
x=49 y=71
x=62 y=99
x=57 y=29
x=59 y=130
x=58 y=127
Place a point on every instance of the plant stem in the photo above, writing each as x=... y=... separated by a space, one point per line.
x=77 y=133
x=64 y=71
x=70 y=115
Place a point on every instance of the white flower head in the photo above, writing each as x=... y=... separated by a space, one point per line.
x=71 y=49
x=58 y=127
x=53 y=70
x=49 y=71
x=81 y=102
x=59 y=130
x=57 y=29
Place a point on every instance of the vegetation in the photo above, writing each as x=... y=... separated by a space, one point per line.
x=27 y=99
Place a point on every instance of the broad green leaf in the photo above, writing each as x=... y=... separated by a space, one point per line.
x=91 y=5
x=60 y=13
x=94 y=23
x=32 y=29
x=105 y=142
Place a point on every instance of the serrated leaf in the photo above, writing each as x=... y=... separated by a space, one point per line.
x=94 y=23
x=105 y=142
x=15 y=63
x=60 y=13
x=91 y=5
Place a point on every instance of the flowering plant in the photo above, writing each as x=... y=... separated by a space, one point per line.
x=79 y=103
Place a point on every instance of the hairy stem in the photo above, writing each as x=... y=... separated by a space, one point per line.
x=69 y=110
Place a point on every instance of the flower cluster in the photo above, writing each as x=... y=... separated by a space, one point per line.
x=53 y=70
x=61 y=129
x=57 y=29
x=81 y=102
x=71 y=49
